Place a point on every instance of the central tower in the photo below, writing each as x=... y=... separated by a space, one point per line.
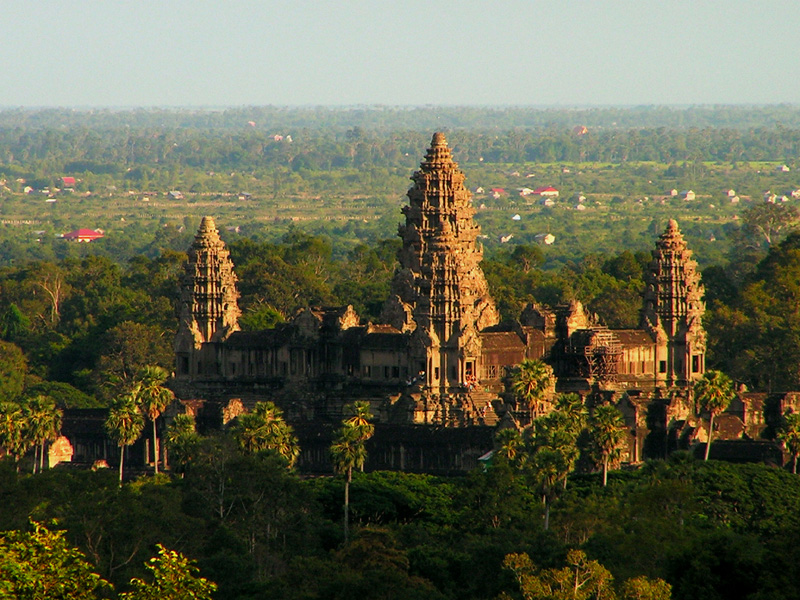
x=439 y=292
x=673 y=309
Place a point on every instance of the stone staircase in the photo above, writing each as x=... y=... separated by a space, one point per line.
x=484 y=413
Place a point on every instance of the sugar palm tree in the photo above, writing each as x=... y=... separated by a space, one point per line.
x=530 y=382
x=124 y=425
x=43 y=424
x=789 y=434
x=264 y=429
x=182 y=440
x=13 y=437
x=510 y=446
x=714 y=393
x=152 y=398
x=349 y=450
x=606 y=427
x=359 y=420
x=547 y=468
x=574 y=409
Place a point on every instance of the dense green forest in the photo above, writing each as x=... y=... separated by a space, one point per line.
x=710 y=530
x=310 y=218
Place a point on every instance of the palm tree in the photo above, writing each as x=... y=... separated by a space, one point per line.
x=264 y=429
x=606 y=427
x=558 y=433
x=13 y=437
x=530 y=383
x=43 y=424
x=182 y=440
x=714 y=393
x=349 y=450
x=548 y=468
x=789 y=434
x=153 y=398
x=124 y=425
x=573 y=407
x=360 y=421
x=510 y=446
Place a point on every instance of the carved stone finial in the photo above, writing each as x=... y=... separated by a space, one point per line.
x=438 y=139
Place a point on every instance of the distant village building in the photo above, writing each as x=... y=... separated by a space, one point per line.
x=68 y=182
x=545 y=238
x=84 y=235
x=548 y=202
x=688 y=195
x=783 y=169
x=730 y=193
x=547 y=191
x=673 y=192
x=175 y=195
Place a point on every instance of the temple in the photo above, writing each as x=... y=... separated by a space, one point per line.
x=439 y=358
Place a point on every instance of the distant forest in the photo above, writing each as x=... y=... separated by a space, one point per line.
x=424 y=118
x=109 y=142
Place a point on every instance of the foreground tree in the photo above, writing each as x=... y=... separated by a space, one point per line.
x=174 y=578
x=713 y=393
x=530 y=383
x=41 y=564
x=606 y=428
x=153 y=399
x=349 y=450
x=124 y=425
x=644 y=588
x=580 y=579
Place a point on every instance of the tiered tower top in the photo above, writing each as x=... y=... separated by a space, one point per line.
x=209 y=308
x=673 y=297
x=440 y=283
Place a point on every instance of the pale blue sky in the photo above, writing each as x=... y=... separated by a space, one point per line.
x=535 y=52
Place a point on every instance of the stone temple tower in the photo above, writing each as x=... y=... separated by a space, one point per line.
x=439 y=292
x=673 y=309
x=208 y=297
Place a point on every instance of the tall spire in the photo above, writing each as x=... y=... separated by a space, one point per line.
x=209 y=309
x=440 y=290
x=673 y=306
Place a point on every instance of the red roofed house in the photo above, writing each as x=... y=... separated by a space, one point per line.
x=84 y=235
x=68 y=181
x=546 y=191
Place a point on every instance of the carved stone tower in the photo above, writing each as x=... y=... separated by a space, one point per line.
x=673 y=310
x=208 y=308
x=439 y=291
